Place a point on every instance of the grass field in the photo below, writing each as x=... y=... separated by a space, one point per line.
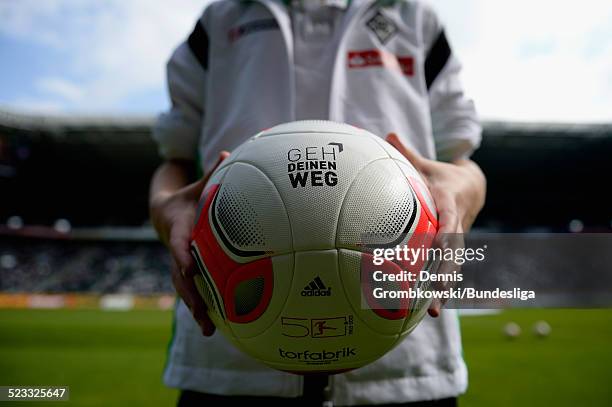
x=116 y=358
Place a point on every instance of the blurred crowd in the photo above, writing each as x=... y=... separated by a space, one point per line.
x=51 y=266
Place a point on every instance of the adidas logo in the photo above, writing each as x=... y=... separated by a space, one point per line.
x=316 y=288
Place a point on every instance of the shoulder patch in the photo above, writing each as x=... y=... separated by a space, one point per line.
x=198 y=43
x=437 y=57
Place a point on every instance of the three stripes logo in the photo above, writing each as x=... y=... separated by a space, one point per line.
x=316 y=288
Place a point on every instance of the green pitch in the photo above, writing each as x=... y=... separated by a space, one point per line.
x=571 y=367
x=117 y=358
x=107 y=358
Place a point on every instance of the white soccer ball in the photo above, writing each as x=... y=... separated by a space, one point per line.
x=512 y=330
x=280 y=245
x=541 y=329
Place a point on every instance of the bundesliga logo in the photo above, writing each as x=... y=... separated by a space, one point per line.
x=323 y=355
x=316 y=288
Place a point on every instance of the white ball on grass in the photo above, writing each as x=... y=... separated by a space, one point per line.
x=541 y=329
x=512 y=330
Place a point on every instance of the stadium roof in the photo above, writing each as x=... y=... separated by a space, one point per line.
x=73 y=122
x=60 y=123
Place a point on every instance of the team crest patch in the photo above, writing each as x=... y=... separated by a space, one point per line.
x=382 y=26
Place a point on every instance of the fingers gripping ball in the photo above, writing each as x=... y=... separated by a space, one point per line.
x=279 y=244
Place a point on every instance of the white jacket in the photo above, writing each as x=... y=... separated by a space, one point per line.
x=233 y=77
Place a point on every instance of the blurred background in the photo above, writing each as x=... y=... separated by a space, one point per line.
x=80 y=85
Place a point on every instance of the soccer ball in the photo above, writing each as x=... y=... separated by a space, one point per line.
x=282 y=245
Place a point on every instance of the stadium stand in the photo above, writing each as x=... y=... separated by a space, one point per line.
x=92 y=174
